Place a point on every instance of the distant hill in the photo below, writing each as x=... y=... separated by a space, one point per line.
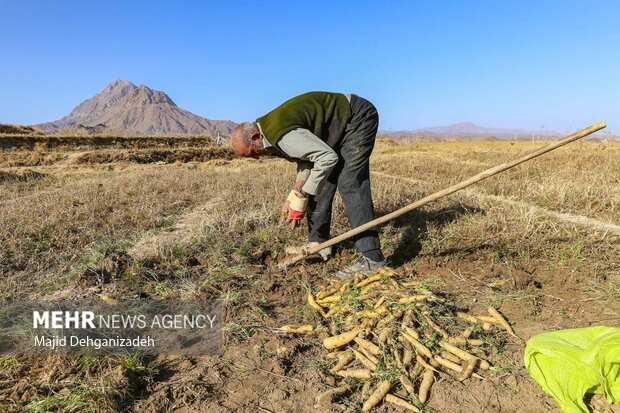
x=469 y=130
x=127 y=108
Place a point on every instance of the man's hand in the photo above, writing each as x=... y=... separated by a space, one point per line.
x=298 y=185
x=284 y=211
x=296 y=208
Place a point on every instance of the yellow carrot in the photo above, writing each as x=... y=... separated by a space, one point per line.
x=449 y=356
x=457 y=340
x=467 y=317
x=330 y=299
x=435 y=327
x=412 y=332
x=369 y=287
x=397 y=401
x=366 y=390
x=468 y=369
x=387 y=272
x=375 y=398
x=422 y=349
x=340 y=340
x=413 y=298
x=336 y=309
x=365 y=361
x=407 y=385
x=424 y=364
x=397 y=358
x=462 y=354
x=448 y=364
x=384 y=334
x=327 y=293
x=335 y=354
x=317 y=307
x=453 y=366
x=108 y=299
x=368 y=280
x=406 y=319
x=378 y=303
x=299 y=330
x=503 y=322
x=394 y=284
x=343 y=361
x=369 y=355
x=327 y=396
x=355 y=373
x=488 y=319
x=390 y=318
x=369 y=345
x=427 y=382
x=407 y=357
x=369 y=314
x=382 y=310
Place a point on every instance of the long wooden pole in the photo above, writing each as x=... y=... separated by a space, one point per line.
x=454 y=188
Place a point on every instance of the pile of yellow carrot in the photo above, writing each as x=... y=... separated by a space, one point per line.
x=383 y=331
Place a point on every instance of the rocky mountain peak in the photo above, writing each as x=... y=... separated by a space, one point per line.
x=143 y=95
x=103 y=100
x=125 y=107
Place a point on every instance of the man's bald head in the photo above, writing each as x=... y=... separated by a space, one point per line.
x=246 y=140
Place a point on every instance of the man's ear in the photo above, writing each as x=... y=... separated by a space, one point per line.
x=255 y=135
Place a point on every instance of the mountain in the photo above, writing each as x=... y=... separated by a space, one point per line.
x=127 y=108
x=470 y=130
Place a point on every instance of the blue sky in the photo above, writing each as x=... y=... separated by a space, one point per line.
x=496 y=63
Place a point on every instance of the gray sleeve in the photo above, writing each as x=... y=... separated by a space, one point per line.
x=304 y=145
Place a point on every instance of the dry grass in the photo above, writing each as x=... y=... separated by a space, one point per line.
x=51 y=220
x=18 y=130
x=65 y=142
x=582 y=178
x=67 y=229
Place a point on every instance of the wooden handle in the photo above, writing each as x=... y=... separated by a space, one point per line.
x=454 y=188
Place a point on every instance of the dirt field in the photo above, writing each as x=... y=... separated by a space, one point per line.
x=541 y=242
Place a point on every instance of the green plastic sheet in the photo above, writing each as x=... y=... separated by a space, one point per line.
x=570 y=363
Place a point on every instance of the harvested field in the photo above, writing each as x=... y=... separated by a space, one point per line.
x=85 y=142
x=190 y=221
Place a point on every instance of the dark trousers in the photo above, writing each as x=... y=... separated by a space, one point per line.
x=352 y=178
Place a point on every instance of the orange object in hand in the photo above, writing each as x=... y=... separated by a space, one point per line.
x=284 y=211
x=297 y=205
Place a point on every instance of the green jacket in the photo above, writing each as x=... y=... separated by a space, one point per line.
x=325 y=114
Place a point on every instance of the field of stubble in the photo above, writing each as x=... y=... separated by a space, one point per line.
x=162 y=221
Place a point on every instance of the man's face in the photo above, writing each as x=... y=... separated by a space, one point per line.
x=255 y=150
